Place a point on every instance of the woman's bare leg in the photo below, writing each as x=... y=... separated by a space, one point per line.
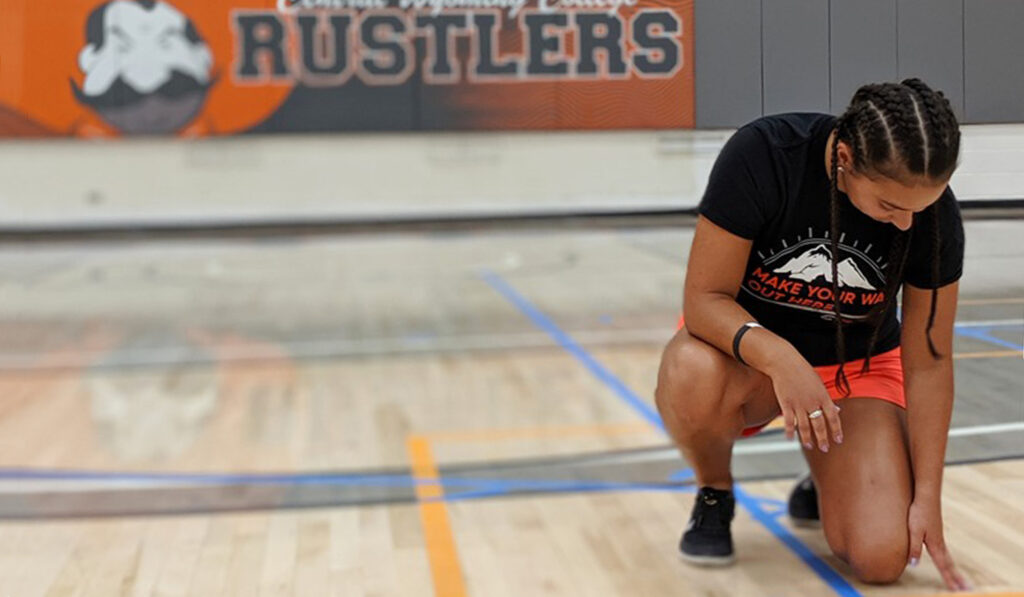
x=706 y=399
x=865 y=488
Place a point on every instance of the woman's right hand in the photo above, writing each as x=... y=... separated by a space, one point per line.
x=800 y=392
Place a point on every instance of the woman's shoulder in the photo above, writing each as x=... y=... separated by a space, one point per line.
x=778 y=146
x=791 y=129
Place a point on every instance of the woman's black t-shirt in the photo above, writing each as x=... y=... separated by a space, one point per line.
x=769 y=185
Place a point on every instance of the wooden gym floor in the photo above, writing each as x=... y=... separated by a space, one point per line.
x=421 y=414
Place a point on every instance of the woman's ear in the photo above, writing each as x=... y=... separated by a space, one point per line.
x=845 y=157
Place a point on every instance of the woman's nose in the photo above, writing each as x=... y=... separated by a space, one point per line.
x=903 y=220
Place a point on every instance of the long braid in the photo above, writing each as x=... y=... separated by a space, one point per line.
x=936 y=248
x=900 y=131
x=898 y=254
x=841 y=382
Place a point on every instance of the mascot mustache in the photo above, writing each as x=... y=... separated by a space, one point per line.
x=121 y=94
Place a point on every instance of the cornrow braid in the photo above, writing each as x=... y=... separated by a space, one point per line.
x=944 y=144
x=944 y=140
x=904 y=132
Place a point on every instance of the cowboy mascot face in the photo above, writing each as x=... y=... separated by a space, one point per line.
x=147 y=70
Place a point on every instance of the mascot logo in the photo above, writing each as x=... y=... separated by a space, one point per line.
x=147 y=70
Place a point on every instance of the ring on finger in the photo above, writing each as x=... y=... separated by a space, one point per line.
x=814 y=414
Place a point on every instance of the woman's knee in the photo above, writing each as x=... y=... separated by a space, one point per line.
x=692 y=373
x=874 y=559
x=865 y=488
x=694 y=392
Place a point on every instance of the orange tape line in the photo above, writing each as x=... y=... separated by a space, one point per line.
x=535 y=432
x=985 y=355
x=444 y=558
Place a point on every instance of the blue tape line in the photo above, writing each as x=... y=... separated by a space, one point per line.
x=823 y=570
x=984 y=335
x=216 y=478
x=771 y=502
x=470 y=484
x=542 y=321
x=770 y=522
x=684 y=474
x=567 y=487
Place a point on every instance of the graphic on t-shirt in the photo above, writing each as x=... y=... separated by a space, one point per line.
x=799 y=276
x=817 y=262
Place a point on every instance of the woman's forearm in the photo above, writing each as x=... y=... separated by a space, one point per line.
x=929 y=408
x=715 y=320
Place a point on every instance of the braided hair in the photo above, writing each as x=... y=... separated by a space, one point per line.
x=905 y=132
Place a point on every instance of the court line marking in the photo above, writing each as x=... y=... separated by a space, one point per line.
x=982 y=333
x=445 y=569
x=158 y=479
x=746 y=448
x=216 y=478
x=992 y=301
x=769 y=447
x=329 y=348
x=835 y=581
x=514 y=433
x=985 y=355
x=498 y=284
x=985 y=429
x=457 y=488
x=983 y=323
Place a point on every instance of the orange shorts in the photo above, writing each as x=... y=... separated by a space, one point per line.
x=884 y=381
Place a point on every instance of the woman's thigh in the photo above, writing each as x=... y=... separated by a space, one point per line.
x=696 y=364
x=865 y=489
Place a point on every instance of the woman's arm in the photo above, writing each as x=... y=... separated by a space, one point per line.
x=928 y=382
x=714 y=273
x=929 y=389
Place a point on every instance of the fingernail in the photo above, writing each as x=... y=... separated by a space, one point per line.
x=808 y=446
x=837 y=407
x=824 y=447
x=839 y=439
x=913 y=562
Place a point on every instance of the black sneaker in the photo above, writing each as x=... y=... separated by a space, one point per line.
x=707 y=540
x=803 y=504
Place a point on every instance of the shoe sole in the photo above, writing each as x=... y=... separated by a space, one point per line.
x=805 y=523
x=708 y=561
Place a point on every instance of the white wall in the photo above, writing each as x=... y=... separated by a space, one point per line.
x=245 y=179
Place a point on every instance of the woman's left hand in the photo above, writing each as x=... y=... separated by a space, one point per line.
x=924 y=522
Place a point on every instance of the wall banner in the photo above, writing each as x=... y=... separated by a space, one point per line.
x=222 y=67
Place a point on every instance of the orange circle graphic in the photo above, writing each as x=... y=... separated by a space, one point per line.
x=40 y=43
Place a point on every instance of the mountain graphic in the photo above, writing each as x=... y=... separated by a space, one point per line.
x=817 y=263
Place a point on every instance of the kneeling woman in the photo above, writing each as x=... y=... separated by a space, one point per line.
x=809 y=227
